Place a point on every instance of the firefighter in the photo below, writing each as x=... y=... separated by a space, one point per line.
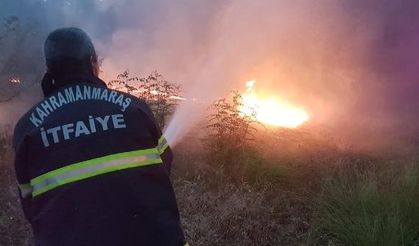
x=92 y=164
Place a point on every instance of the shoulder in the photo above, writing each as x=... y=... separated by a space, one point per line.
x=24 y=126
x=139 y=105
x=143 y=110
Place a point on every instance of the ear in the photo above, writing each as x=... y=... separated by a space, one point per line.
x=47 y=84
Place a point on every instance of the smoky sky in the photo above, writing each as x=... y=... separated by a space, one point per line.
x=392 y=56
x=344 y=61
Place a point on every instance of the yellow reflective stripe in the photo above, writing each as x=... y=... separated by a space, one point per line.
x=162 y=145
x=94 y=167
x=161 y=139
x=25 y=190
x=162 y=149
x=93 y=173
x=92 y=162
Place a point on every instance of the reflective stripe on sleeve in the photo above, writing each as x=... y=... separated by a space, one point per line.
x=162 y=145
x=90 y=168
x=25 y=190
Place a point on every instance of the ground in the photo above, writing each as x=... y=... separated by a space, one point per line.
x=326 y=198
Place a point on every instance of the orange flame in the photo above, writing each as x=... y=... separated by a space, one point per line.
x=271 y=111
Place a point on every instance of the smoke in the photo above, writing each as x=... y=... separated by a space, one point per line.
x=351 y=64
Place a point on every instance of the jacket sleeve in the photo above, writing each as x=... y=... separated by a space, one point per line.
x=22 y=174
x=162 y=145
x=166 y=153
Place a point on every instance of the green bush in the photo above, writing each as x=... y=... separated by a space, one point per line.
x=369 y=207
x=230 y=135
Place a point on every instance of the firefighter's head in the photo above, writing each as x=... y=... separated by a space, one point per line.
x=70 y=52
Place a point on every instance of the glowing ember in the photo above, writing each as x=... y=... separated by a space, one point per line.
x=271 y=111
x=14 y=80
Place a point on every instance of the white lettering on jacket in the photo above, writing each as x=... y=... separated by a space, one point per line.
x=91 y=125
x=74 y=94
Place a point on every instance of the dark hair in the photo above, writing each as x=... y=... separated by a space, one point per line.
x=69 y=51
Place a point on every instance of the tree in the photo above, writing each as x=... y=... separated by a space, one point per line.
x=20 y=56
x=11 y=24
x=230 y=132
x=161 y=95
x=9 y=28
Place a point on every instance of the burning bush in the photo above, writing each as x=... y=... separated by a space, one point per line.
x=161 y=95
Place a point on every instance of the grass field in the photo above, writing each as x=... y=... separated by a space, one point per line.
x=310 y=193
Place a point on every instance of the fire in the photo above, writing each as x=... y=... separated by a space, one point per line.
x=271 y=111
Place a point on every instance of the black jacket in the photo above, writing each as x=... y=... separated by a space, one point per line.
x=93 y=169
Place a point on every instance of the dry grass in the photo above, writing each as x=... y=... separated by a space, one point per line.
x=241 y=214
x=14 y=230
x=218 y=210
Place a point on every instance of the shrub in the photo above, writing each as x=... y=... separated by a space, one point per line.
x=161 y=95
x=230 y=134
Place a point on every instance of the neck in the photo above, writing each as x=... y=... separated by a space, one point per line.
x=50 y=85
